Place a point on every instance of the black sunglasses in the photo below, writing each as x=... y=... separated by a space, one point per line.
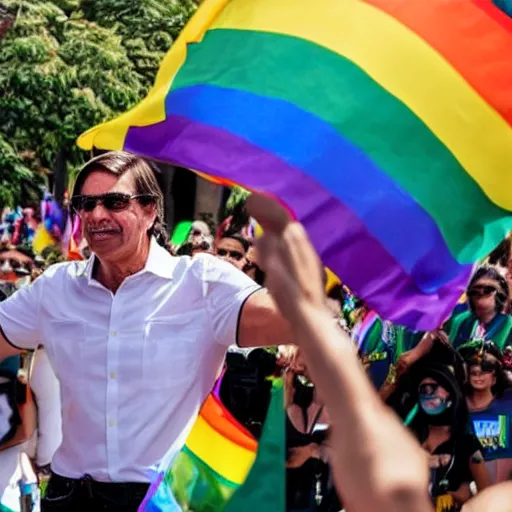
x=236 y=255
x=112 y=201
x=481 y=291
x=427 y=389
x=486 y=369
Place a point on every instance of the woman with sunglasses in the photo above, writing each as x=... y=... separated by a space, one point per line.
x=484 y=389
x=487 y=293
x=486 y=378
x=431 y=402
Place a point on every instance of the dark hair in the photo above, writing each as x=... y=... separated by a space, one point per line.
x=501 y=255
x=493 y=273
x=447 y=367
x=240 y=239
x=120 y=162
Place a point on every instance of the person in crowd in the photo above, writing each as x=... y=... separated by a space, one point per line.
x=485 y=317
x=252 y=267
x=232 y=248
x=377 y=463
x=502 y=258
x=430 y=399
x=44 y=404
x=135 y=335
x=486 y=377
x=48 y=435
x=199 y=232
x=486 y=385
x=307 y=473
x=199 y=239
x=488 y=294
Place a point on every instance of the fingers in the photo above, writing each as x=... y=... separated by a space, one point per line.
x=279 y=281
x=293 y=269
x=269 y=213
x=293 y=253
x=302 y=257
x=275 y=219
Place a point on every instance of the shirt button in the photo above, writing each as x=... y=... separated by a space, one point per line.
x=113 y=333
x=111 y=423
x=112 y=375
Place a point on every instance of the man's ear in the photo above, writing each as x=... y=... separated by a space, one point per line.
x=151 y=208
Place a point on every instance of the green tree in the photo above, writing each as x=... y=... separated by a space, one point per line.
x=67 y=65
x=16 y=178
x=147 y=27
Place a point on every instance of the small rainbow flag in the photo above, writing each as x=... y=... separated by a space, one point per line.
x=214 y=462
x=384 y=125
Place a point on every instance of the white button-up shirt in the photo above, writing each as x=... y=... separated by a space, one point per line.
x=134 y=366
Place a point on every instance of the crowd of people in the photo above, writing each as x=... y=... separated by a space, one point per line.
x=121 y=348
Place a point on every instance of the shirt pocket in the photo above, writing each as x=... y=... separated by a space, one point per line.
x=67 y=339
x=171 y=352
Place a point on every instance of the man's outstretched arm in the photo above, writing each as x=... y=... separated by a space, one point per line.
x=377 y=463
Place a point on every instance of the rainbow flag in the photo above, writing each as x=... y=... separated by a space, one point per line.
x=384 y=125
x=214 y=462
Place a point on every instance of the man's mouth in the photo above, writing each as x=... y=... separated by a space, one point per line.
x=99 y=234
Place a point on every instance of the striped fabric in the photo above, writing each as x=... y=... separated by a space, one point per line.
x=384 y=125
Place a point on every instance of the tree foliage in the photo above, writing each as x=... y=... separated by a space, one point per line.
x=147 y=27
x=66 y=65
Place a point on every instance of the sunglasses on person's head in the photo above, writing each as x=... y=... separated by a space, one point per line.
x=236 y=255
x=481 y=291
x=112 y=201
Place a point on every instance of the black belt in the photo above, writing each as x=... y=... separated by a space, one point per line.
x=62 y=486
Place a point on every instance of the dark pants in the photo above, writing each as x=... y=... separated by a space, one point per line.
x=87 y=495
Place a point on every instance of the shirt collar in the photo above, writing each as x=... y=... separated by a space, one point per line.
x=159 y=262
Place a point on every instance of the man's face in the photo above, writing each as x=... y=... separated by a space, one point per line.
x=231 y=250
x=115 y=234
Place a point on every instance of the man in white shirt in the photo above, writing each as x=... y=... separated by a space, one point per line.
x=135 y=335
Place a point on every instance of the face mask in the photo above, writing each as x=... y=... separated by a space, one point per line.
x=433 y=410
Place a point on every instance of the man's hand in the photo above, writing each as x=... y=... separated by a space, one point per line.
x=379 y=466
x=293 y=269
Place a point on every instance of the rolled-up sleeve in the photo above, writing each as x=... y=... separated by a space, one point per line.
x=19 y=316
x=227 y=289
